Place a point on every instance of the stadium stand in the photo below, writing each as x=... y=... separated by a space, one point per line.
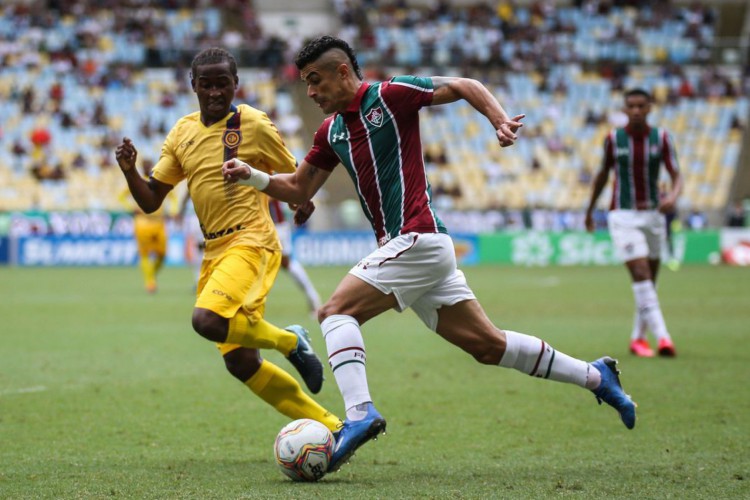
x=78 y=75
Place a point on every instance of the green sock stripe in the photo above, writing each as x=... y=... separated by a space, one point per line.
x=333 y=369
x=549 y=367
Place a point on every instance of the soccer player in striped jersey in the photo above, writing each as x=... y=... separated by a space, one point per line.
x=242 y=252
x=374 y=132
x=636 y=220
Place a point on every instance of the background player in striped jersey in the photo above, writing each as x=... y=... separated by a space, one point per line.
x=636 y=153
x=242 y=252
x=288 y=262
x=374 y=132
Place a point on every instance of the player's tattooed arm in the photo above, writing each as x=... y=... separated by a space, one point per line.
x=312 y=172
x=309 y=179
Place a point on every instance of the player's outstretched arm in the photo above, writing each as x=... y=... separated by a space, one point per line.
x=297 y=187
x=450 y=89
x=148 y=194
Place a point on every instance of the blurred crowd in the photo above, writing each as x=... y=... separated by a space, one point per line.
x=76 y=75
x=528 y=36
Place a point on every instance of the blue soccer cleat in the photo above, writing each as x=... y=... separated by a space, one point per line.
x=354 y=434
x=610 y=391
x=304 y=359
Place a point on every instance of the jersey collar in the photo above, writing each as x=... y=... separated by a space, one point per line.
x=637 y=133
x=355 y=103
x=220 y=123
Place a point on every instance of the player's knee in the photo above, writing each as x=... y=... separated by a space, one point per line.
x=489 y=349
x=210 y=325
x=242 y=363
x=488 y=357
x=327 y=309
x=640 y=270
x=641 y=275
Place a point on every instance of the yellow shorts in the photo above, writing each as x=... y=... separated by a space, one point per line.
x=239 y=279
x=151 y=236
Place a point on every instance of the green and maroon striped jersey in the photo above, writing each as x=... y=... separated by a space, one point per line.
x=635 y=158
x=377 y=140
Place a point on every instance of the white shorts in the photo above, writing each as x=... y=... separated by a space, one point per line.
x=637 y=233
x=284 y=230
x=420 y=271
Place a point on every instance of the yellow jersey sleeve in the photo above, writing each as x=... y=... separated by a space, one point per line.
x=274 y=153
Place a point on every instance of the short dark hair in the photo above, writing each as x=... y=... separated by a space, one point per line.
x=213 y=55
x=637 y=92
x=319 y=46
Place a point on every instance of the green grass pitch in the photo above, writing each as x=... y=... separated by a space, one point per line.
x=106 y=392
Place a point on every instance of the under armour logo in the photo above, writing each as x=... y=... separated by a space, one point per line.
x=339 y=137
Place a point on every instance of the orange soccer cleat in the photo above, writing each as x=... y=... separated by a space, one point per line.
x=641 y=348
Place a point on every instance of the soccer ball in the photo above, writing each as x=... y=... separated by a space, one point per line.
x=303 y=449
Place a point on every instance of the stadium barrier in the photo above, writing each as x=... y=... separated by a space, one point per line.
x=102 y=250
x=105 y=239
x=525 y=248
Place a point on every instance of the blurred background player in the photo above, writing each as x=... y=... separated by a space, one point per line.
x=243 y=254
x=150 y=231
x=637 y=225
x=288 y=262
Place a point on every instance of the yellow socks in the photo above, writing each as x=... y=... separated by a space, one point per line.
x=280 y=390
x=261 y=335
x=158 y=261
x=149 y=273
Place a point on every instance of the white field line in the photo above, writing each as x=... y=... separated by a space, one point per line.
x=22 y=390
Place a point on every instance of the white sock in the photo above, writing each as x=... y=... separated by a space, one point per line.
x=346 y=355
x=303 y=281
x=647 y=303
x=639 y=327
x=535 y=357
x=639 y=324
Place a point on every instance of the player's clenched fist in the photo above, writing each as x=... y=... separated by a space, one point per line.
x=506 y=132
x=238 y=171
x=303 y=212
x=126 y=155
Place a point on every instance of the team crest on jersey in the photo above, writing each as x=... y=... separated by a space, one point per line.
x=232 y=138
x=375 y=116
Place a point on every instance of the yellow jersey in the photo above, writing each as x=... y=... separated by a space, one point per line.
x=230 y=214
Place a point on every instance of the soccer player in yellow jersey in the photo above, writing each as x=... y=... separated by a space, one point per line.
x=242 y=254
x=150 y=231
